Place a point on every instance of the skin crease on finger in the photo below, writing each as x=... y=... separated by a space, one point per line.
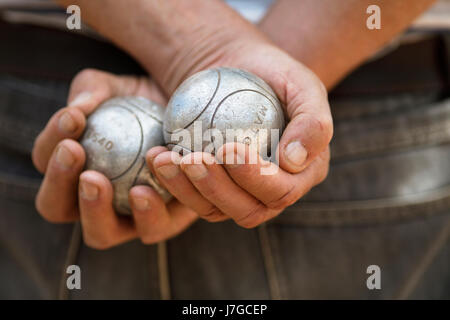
x=165 y=165
x=278 y=189
x=68 y=123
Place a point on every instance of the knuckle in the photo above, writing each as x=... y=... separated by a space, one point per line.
x=321 y=87
x=97 y=243
x=212 y=193
x=320 y=127
x=152 y=238
x=86 y=75
x=323 y=173
x=287 y=199
x=325 y=125
x=317 y=85
x=50 y=215
x=249 y=223
x=147 y=239
x=212 y=214
x=253 y=219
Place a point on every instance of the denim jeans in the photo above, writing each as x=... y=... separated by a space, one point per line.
x=386 y=201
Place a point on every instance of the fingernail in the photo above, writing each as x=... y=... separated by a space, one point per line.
x=196 y=171
x=88 y=191
x=168 y=171
x=64 y=157
x=296 y=153
x=67 y=124
x=80 y=98
x=141 y=204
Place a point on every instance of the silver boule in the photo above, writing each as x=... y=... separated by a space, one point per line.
x=116 y=138
x=222 y=99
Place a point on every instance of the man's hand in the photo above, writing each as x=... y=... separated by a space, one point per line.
x=68 y=194
x=217 y=192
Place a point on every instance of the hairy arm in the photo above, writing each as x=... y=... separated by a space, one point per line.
x=170 y=38
x=331 y=37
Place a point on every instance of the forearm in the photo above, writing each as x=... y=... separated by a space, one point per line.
x=166 y=36
x=331 y=37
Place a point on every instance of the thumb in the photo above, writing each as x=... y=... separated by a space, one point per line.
x=310 y=129
x=91 y=87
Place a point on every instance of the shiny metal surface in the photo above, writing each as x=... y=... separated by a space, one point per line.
x=222 y=99
x=117 y=136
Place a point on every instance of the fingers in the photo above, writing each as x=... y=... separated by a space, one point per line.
x=165 y=165
x=248 y=193
x=67 y=123
x=102 y=227
x=57 y=198
x=154 y=221
x=214 y=184
x=271 y=185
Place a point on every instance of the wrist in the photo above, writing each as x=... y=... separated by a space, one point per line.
x=202 y=40
x=203 y=50
x=172 y=39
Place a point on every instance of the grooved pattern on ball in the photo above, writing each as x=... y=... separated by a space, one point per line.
x=118 y=134
x=234 y=117
x=257 y=81
x=125 y=152
x=259 y=108
x=153 y=111
x=240 y=100
x=191 y=100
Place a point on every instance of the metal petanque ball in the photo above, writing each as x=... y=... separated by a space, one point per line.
x=117 y=136
x=222 y=99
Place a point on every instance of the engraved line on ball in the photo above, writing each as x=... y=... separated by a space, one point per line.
x=206 y=107
x=177 y=145
x=233 y=93
x=140 y=144
x=143 y=111
x=254 y=82
x=139 y=172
